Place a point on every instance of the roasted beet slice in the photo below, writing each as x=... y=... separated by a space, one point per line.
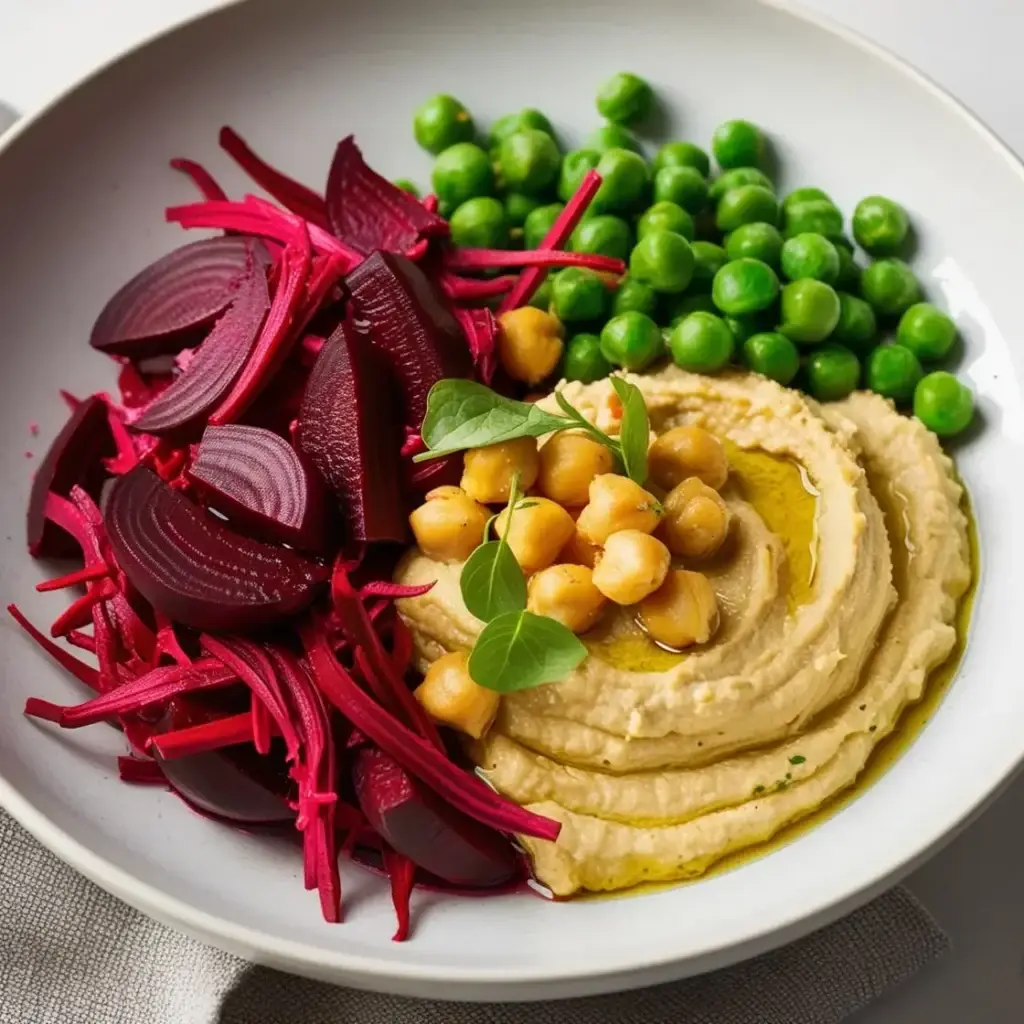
x=75 y=457
x=195 y=570
x=368 y=212
x=258 y=480
x=349 y=429
x=182 y=408
x=427 y=830
x=161 y=308
x=406 y=318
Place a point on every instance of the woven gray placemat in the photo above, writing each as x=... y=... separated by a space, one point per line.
x=71 y=954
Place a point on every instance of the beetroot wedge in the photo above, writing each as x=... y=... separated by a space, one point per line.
x=75 y=457
x=258 y=481
x=406 y=318
x=368 y=212
x=427 y=830
x=183 y=407
x=161 y=308
x=350 y=432
x=195 y=570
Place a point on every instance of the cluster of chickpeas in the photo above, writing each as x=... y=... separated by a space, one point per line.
x=586 y=537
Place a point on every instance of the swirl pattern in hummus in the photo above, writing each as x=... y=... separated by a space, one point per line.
x=657 y=771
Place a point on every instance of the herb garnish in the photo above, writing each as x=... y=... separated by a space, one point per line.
x=797 y=759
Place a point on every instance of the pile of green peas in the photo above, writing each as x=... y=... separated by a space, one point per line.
x=721 y=269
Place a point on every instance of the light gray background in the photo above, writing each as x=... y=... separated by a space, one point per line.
x=973 y=47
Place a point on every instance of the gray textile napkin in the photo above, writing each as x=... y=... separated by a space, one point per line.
x=71 y=954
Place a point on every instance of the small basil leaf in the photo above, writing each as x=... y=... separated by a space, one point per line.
x=519 y=650
x=634 y=432
x=464 y=414
x=492 y=582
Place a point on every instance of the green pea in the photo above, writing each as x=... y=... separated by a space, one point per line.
x=772 y=355
x=737 y=177
x=512 y=123
x=737 y=144
x=684 y=186
x=890 y=286
x=744 y=286
x=747 y=204
x=631 y=340
x=810 y=311
x=701 y=343
x=810 y=255
x=893 y=372
x=665 y=216
x=479 y=224
x=462 y=172
x=675 y=307
x=624 y=98
x=625 y=181
x=926 y=331
x=880 y=225
x=575 y=166
x=578 y=294
x=664 y=260
x=442 y=122
x=708 y=259
x=518 y=207
x=803 y=195
x=612 y=136
x=634 y=296
x=529 y=161
x=407 y=186
x=538 y=223
x=758 y=240
x=819 y=216
x=542 y=296
x=583 y=360
x=832 y=372
x=943 y=404
x=683 y=154
x=849 y=270
x=605 y=235
x=856 y=327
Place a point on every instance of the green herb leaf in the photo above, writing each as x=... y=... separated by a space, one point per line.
x=634 y=433
x=797 y=759
x=464 y=414
x=519 y=650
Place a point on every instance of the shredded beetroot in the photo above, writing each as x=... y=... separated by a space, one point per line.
x=481 y=331
x=140 y=771
x=488 y=259
x=468 y=289
x=82 y=672
x=402 y=875
x=73 y=579
x=201 y=178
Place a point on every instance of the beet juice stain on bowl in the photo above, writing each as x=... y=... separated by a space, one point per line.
x=237 y=599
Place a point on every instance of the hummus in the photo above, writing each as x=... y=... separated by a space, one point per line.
x=838 y=598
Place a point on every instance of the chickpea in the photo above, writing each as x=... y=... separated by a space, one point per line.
x=617 y=503
x=633 y=565
x=529 y=343
x=683 y=611
x=539 y=531
x=567 y=594
x=579 y=551
x=696 y=520
x=568 y=463
x=688 y=451
x=450 y=696
x=487 y=472
x=449 y=524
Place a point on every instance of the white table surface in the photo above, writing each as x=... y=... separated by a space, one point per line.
x=975 y=887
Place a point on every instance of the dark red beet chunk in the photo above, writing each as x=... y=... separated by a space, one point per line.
x=368 y=212
x=408 y=321
x=350 y=431
x=195 y=570
x=258 y=481
x=161 y=308
x=75 y=457
x=183 y=407
x=425 y=829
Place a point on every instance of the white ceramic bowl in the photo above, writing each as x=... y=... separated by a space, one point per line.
x=82 y=188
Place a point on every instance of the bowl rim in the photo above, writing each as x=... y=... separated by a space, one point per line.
x=305 y=958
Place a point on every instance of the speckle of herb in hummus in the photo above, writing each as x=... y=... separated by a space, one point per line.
x=758 y=789
x=873 y=728
x=863 y=707
x=797 y=759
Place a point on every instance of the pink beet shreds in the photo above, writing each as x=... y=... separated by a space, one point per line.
x=369 y=212
x=406 y=319
x=350 y=431
x=231 y=608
